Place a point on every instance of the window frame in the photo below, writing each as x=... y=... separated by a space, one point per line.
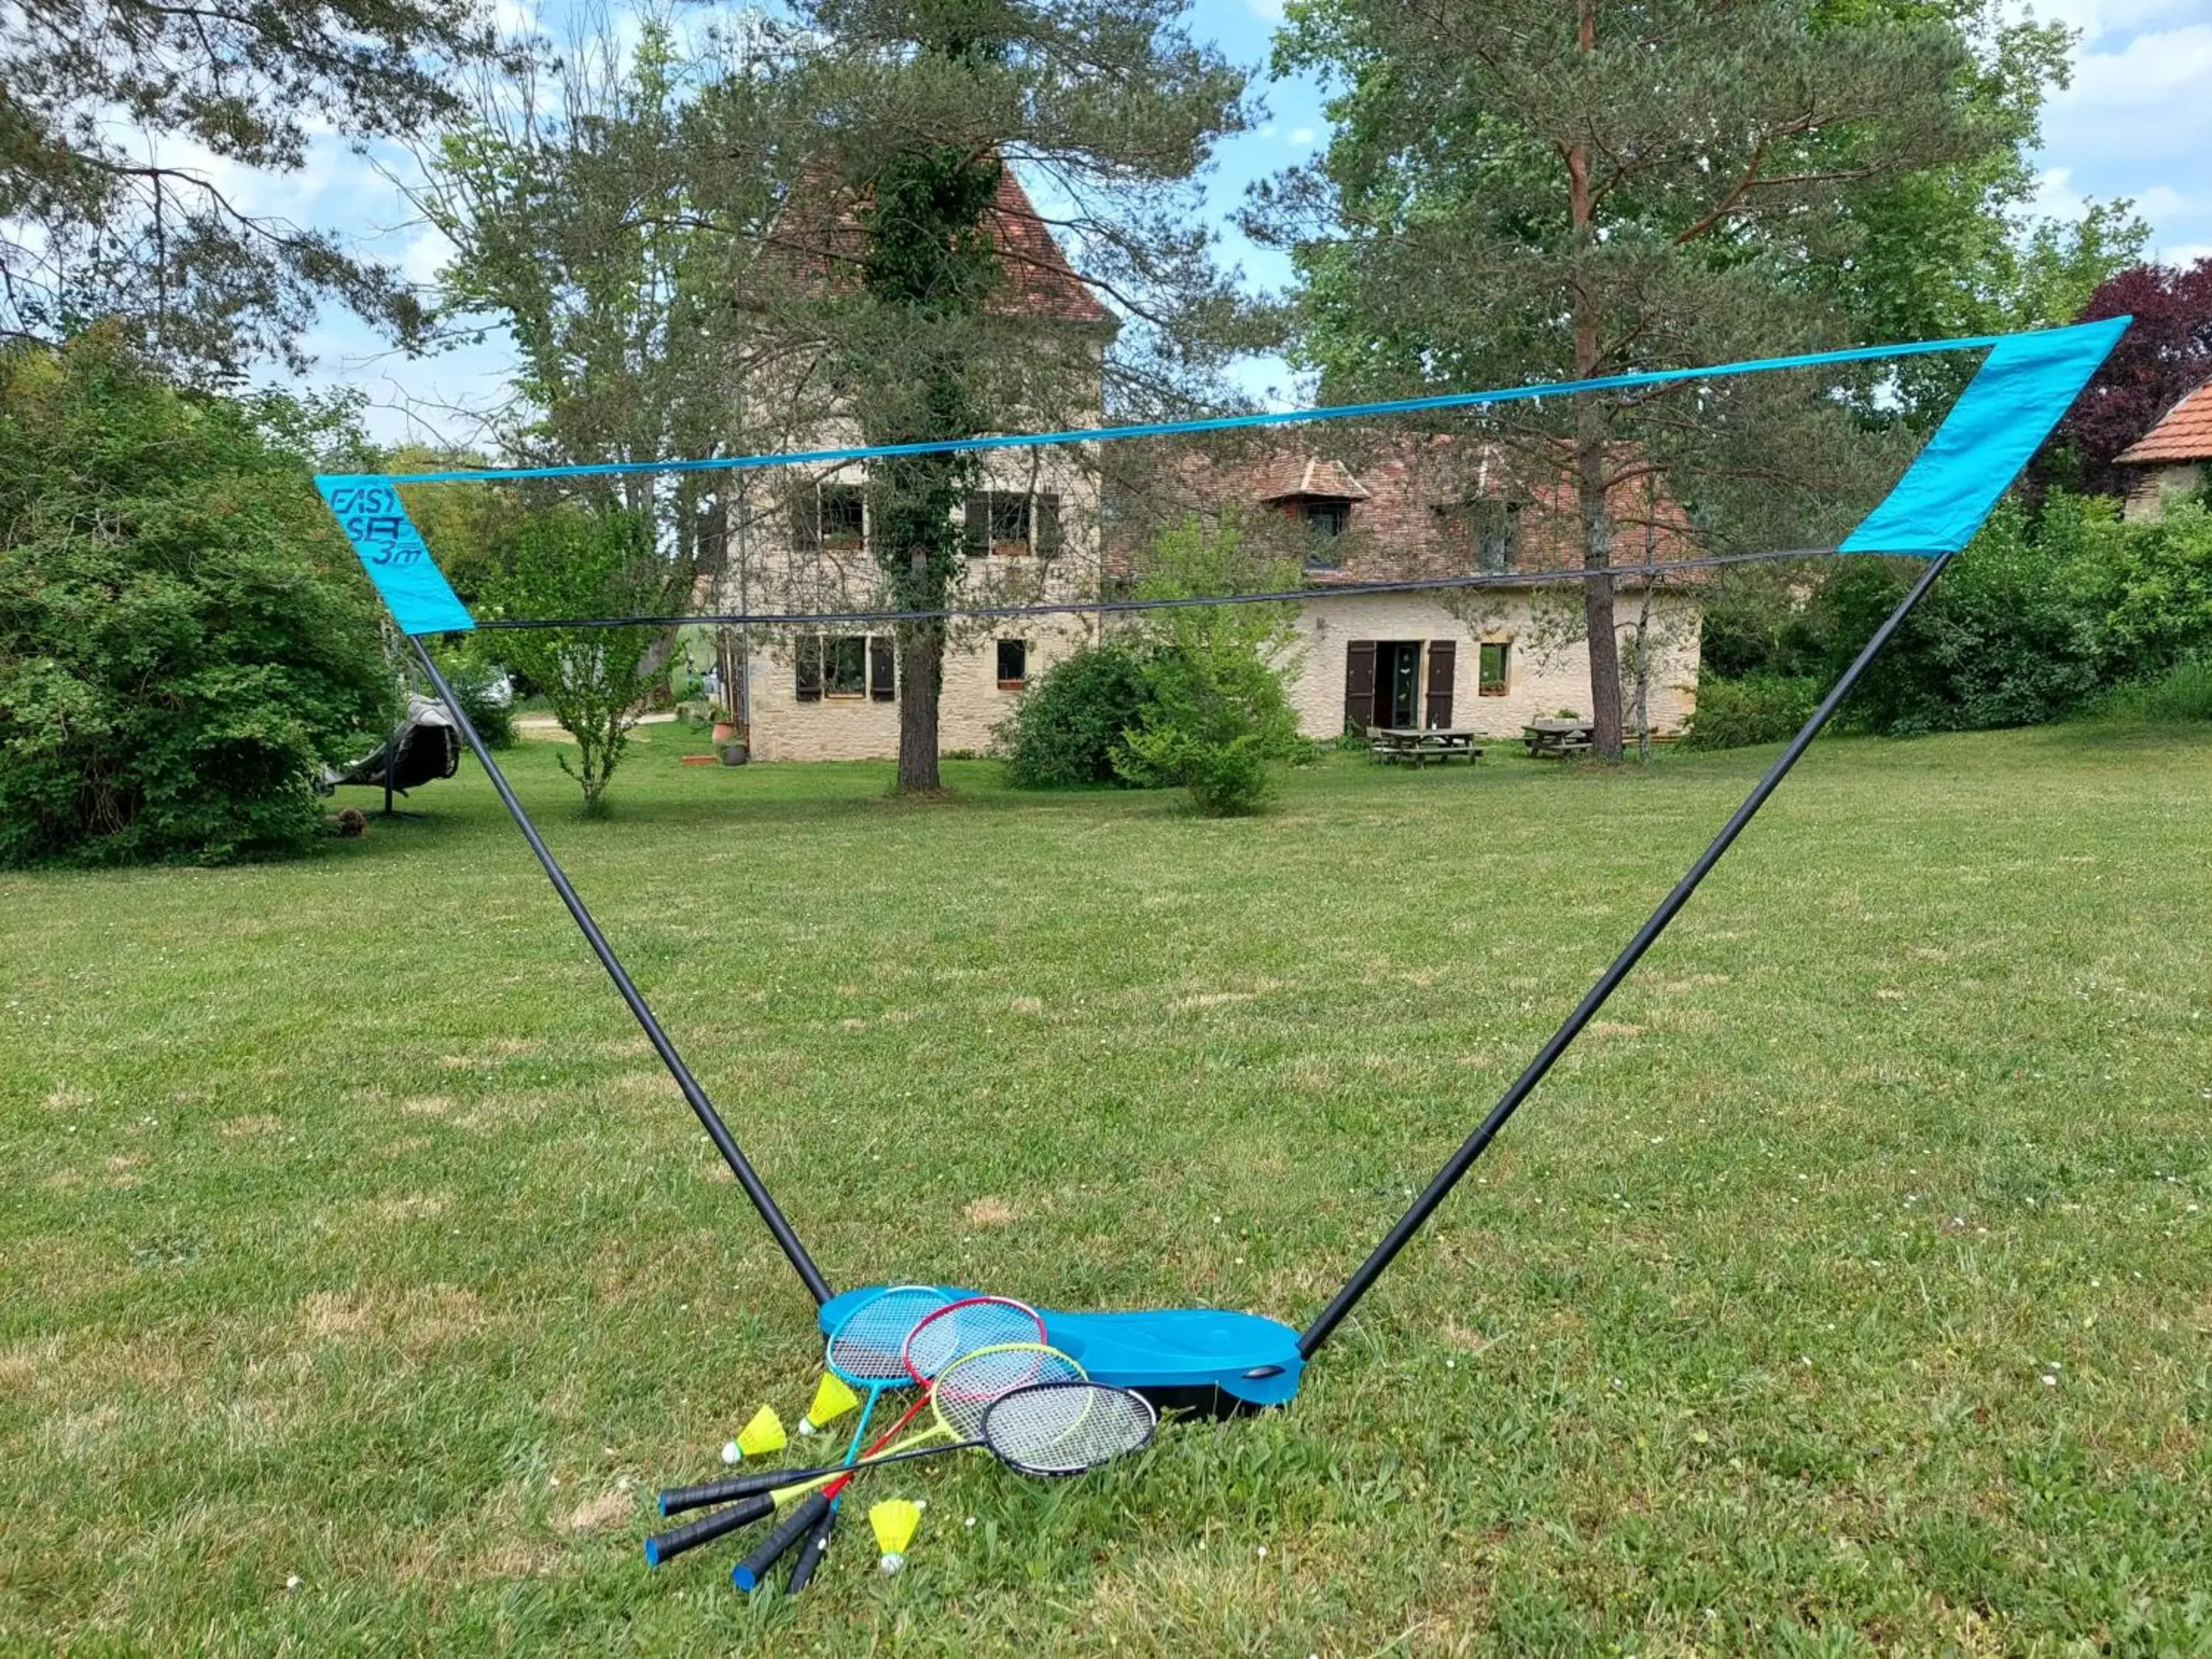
x=845 y=496
x=1485 y=686
x=1021 y=682
x=835 y=688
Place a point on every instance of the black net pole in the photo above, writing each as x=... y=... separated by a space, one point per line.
x=1473 y=1146
x=755 y=1189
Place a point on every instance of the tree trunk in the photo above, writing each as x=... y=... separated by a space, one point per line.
x=1592 y=495
x=1596 y=511
x=921 y=676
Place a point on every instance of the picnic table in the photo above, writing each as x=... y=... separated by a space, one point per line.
x=1421 y=745
x=1556 y=739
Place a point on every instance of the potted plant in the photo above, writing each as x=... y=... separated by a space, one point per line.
x=726 y=725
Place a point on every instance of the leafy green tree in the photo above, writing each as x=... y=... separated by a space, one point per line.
x=98 y=218
x=577 y=559
x=1520 y=189
x=184 y=638
x=1214 y=719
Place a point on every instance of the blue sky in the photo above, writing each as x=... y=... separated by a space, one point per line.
x=2135 y=123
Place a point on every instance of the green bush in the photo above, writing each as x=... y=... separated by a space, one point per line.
x=1756 y=708
x=1214 y=719
x=472 y=678
x=1062 y=733
x=2030 y=623
x=185 y=638
x=2184 y=692
x=1215 y=723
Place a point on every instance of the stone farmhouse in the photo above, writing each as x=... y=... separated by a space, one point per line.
x=1372 y=509
x=1366 y=508
x=1030 y=533
x=2174 y=457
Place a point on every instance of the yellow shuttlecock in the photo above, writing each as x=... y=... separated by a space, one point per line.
x=893 y=1522
x=763 y=1434
x=832 y=1400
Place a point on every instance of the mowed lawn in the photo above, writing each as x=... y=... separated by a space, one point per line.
x=1848 y=1287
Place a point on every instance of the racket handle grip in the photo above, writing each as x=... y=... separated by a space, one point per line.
x=706 y=1529
x=811 y=1551
x=675 y=1499
x=749 y=1572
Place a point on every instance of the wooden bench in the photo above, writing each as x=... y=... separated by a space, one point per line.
x=1558 y=739
x=1422 y=744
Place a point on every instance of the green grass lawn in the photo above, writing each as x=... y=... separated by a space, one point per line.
x=1848 y=1287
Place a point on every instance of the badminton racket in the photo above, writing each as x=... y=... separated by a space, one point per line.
x=958 y=1395
x=1045 y=1429
x=867 y=1350
x=968 y=1318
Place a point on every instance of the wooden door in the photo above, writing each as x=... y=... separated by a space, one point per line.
x=1359 y=685
x=1442 y=655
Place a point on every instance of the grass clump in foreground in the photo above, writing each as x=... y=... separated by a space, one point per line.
x=1846 y=1288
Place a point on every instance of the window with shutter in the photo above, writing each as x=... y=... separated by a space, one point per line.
x=845 y=665
x=1013 y=665
x=844 y=517
x=1010 y=524
x=807 y=653
x=882 y=668
x=1048 y=525
x=975 y=525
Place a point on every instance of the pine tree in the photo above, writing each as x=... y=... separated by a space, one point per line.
x=1522 y=190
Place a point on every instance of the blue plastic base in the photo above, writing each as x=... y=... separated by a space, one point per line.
x=1174 y=1356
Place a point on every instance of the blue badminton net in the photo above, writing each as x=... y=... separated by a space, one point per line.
x=1475 y=484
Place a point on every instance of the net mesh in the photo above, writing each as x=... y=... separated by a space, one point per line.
x=1423 y=570
x=970 y=1385
x=871 y=1345
x=965 y=1326
x=1066 y=1428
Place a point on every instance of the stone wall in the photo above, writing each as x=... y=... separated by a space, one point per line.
x=1542 y=678
x=2147 y=493
x=863 y=728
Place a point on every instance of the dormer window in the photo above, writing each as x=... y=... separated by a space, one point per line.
x=1329 y=517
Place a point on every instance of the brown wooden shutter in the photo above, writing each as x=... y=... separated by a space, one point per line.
x=1442 y=655
x=1044 y=526
x=882 y=668
x=978 y=526
x=1359 y=685
x=805 y=509
x=809 y=657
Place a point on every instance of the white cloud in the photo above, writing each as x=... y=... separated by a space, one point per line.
x=1301 y=134
x=2136 y=122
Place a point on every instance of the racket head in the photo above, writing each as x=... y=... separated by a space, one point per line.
x=1060 y=1428
x=966 y=1389
x=965 y=1326
x=869 y=1346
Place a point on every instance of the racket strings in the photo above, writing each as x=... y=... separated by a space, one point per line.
x=870 y=1346
x=964 y=1327
x=1066 y=1428
x=969 y=1386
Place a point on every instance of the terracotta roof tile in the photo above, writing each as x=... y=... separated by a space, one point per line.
x=1038 y=280
x=2185 y=434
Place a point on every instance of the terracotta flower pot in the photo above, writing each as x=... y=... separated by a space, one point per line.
x=725 y=730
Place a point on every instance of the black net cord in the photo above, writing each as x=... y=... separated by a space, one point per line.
x=1473 y=1146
